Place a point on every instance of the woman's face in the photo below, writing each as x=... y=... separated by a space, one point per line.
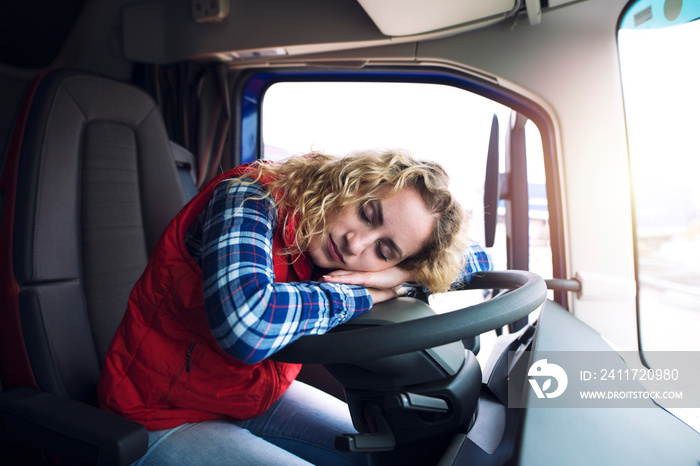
x=376 y=236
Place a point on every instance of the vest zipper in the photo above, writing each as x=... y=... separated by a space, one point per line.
x=189 y=357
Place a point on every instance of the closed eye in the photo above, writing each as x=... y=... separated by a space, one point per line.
x=364 y=216
x=380 y=253
x=371 y=213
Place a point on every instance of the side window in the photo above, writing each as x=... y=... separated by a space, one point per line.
x=440 y=122
x=660 y=74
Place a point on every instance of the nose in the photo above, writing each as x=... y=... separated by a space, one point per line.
x=357 y=242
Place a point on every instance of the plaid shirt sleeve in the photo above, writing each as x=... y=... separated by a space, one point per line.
x=249 y=314
x=477 y=260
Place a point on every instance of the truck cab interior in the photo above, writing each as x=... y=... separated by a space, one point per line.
x=567 y=128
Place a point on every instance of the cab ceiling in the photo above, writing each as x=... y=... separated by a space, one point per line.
x=165 y=31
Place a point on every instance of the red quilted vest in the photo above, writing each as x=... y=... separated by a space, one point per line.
x=164 y=367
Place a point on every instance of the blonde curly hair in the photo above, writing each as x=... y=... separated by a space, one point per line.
x=314 y=185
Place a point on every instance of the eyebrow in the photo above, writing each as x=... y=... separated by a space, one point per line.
x=380 y=219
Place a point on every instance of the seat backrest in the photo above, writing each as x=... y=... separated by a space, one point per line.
x=89 y=184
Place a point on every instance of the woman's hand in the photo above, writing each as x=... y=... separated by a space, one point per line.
x=388 y=278
x=379 y=284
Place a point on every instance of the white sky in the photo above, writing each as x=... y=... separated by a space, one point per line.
x=661 y=75
x=436 y=122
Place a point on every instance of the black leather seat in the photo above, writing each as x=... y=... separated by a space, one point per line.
x=88 y=185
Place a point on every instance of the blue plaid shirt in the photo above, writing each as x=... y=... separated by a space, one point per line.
x=476 y=260
x=249 y=314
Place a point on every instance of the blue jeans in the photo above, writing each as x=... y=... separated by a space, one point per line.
x=298 y=429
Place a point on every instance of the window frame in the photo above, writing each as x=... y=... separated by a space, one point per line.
x=251 y=84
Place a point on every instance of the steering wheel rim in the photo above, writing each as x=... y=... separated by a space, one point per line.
x=527 y=292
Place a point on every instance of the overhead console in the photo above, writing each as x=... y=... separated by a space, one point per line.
x=164 y=31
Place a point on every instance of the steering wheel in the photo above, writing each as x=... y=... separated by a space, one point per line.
x=527 y=292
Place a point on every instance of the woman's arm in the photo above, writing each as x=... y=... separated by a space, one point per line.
x=249 y=314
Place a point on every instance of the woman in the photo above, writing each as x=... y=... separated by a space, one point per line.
x=261 y=256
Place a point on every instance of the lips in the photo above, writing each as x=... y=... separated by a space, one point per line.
x=334 y=252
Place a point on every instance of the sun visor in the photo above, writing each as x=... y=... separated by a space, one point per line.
x=411 y=17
